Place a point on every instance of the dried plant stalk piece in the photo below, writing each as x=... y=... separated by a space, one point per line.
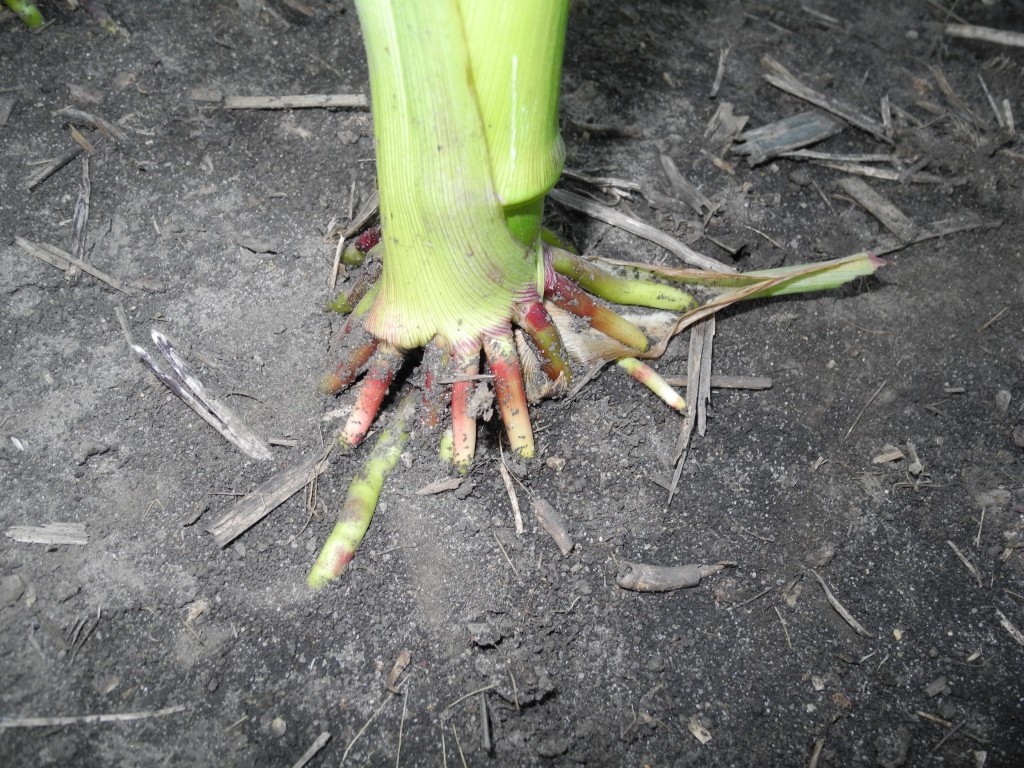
x=553 y=524
x=49 y=533
x=641 y=577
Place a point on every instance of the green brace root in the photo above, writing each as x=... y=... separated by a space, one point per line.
x=361 y=500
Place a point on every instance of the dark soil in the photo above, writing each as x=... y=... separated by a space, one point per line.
x=217 y=219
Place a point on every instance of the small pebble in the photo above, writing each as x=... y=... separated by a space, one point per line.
x=11 y=589
x=1003 y=401
x=935 y=687
x=822 y=556
x=997 y=497
x=277 y=727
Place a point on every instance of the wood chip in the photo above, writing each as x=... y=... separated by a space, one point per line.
x=891 y=217
x=49 y=533
x=762 y=144
x=701 y=398
x=252 y=508
x=298 y=101
x=553 y=524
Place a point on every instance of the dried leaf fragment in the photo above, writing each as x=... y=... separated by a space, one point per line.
x=440 y=486
x=695 y=727
x=640 y=577
x=822 y=555
x=403 y=660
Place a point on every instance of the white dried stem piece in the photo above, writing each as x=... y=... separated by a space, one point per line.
x=87 y=118
x=784 y=80
x=56 y=722
x=641 y=577
x=986 y=34
x=314 y=748
x=553 y=524
x=63 y=260
x=637 y=227
x=723 y=54
x=847 y=616
x=886 y=174
x=44 y=172
x=517 y=515
x=1010 y=627
x=686 y=192
x=297 y=101
x=967 y=563
x=80 y=221
x=833 y=157
x=698 y=375
x=49 y=533
x=936 y=229
x=194 y=395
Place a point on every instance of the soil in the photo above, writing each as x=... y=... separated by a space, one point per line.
x=216 y=219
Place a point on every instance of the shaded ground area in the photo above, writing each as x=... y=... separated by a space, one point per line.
x=215 y=220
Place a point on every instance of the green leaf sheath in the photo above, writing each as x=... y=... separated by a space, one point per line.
x=451 y=267
x=515 y=51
